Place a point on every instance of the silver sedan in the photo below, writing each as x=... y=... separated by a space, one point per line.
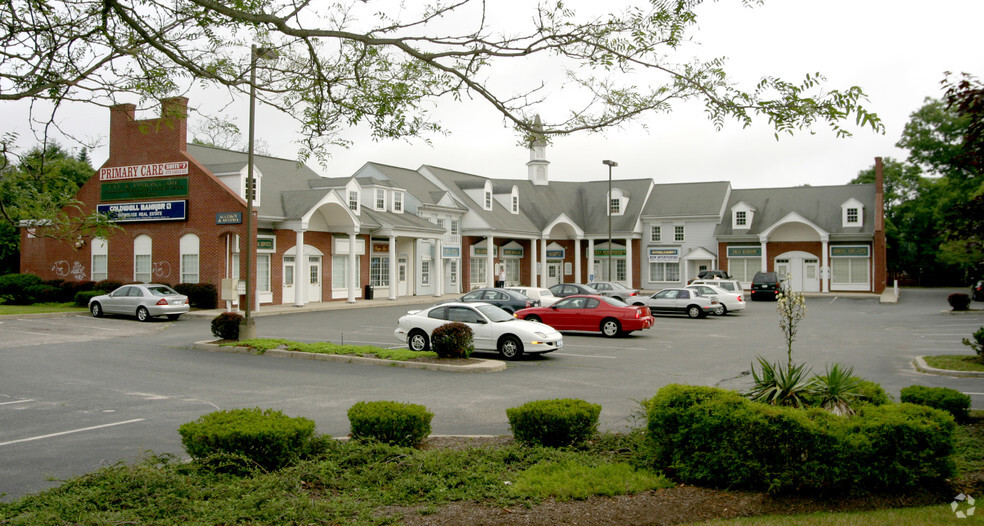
x=142 y=301
x=493 y=329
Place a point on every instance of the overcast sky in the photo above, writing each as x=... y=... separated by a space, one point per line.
x=896 y=50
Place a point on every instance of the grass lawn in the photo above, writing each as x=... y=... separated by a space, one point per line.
x=955 y=362
x=41 y=308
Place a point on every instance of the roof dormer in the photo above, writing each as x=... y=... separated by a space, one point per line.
x=487 y=196
x=617 y=201
x=852 y=213
x=514 y=200
x=742 y=216
x=257 y=184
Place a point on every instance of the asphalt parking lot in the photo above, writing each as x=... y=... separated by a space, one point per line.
x=77 y=393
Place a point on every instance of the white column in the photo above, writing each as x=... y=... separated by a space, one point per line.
x=392 y=258
x=577 y=260
x=351 y=270
x=824 y=265
x=533 y=276
x=765 y=257
x=628 y=262
x=591 y=258
x=490 y=273
x=300 y=270
x=438 y=268
x=543 y=262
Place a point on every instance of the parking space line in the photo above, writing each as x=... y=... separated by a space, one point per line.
x=41 y=437
x=583 y=355
x=16 y=402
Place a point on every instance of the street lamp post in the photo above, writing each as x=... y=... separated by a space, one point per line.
x=248 y=328
x=610 y=165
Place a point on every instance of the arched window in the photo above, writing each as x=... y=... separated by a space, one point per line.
x=189 y=259
x=142 y=253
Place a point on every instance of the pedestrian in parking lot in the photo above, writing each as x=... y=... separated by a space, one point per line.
x=501 y=282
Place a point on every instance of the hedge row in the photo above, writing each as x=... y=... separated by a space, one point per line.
x=28 y=289
x=710 y=436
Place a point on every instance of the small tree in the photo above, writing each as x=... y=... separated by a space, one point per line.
x=977 y=344
x=792 y=308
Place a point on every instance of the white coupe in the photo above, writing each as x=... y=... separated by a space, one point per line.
x=493 y=329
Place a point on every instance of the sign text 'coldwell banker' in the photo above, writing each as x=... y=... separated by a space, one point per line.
x=147 y=211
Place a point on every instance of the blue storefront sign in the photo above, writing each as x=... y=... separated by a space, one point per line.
x=146 y=211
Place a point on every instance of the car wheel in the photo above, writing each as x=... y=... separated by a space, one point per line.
x=142 y=314
x=510 y=348
x=173 y=317
x=417 y=341
x=610 y=328
x=533 y=317
x=721 y=311
x=96 y=309
x=695 y=312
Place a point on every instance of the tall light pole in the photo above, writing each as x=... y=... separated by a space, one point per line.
x=248 y=328
x=610 y=164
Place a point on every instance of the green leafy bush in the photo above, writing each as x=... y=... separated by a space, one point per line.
x=958 y=301
x=82 y=298
x=942 y=398
x=68 y=289
x=871 y=392
x=14 y=288
x=108 y=285
x=200 y=295
x=977 y=343
x=269 y=438
x=453 y=340
x=41 y=293
x=554 y=423
x=394 y=423
x=709 y=436
x=226 y=325
x=778 y=385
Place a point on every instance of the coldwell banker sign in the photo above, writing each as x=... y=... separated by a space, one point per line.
x=113 y=173
x=149 y=211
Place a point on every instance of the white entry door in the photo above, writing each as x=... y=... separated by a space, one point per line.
x=811 y=275
x=553 y=274
x=288 y=288
x=401 y=276
x=314 y=279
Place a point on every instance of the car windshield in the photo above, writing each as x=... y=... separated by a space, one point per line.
x=494 y=314
x=614 y=302
x=161 y=290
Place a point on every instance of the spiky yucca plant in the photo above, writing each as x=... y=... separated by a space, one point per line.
x=778 y=385
x=837 y=389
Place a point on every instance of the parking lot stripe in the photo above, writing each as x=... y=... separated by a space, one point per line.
x=16 y=402
x=41 y=437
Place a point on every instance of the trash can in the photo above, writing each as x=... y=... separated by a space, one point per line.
x=367 y=294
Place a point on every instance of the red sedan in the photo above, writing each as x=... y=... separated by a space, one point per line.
x=591 y=313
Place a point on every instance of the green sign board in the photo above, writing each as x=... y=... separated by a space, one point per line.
x=744 y=252
x=118 y=190
x=852 y=251
x=265 y=243
x=603 y=252
x=512 y=252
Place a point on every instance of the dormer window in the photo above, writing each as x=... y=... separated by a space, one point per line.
x=742 y=216
x=616 y=202
x=398 y=202
x=488 y=196
x=257 y=181
x=514 y=201
x=353 y=200
x=380 y=199
x=852 y=212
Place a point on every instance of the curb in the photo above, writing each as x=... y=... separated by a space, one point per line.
x=952 y=312
x=483 y=366
x=920 y=364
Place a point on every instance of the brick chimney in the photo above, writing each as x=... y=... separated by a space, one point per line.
x=150 y=140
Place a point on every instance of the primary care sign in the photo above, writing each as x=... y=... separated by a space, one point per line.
x=113 y=173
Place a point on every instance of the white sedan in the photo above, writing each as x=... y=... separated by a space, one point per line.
x=730 y=301
x=493 y=329
x=543 y=297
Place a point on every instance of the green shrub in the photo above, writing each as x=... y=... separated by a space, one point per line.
x=269 y=438
x=554 y=423
x=108 y=285
x=709 y=436
x=14 y=288
x=82 y=298
x=200 y=295
x=68 y=289
x=871 y=392
x=453 y=340
x=942 y=398
x=226 y=325
x=394 y=423
x=41 y=294
x=958 y=301
x=977 y=343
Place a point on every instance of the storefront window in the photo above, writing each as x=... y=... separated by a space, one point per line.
x=379 y=274
x=100 y=251
x=744 y=269
x=850 y=271
x=512 y=271
x=142 y=250
x=661 y=271
x=263 y=273
x=189 y=259
x=425 y=278
x=479 y=277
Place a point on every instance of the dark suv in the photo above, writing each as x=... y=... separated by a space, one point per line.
x=765 y=285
